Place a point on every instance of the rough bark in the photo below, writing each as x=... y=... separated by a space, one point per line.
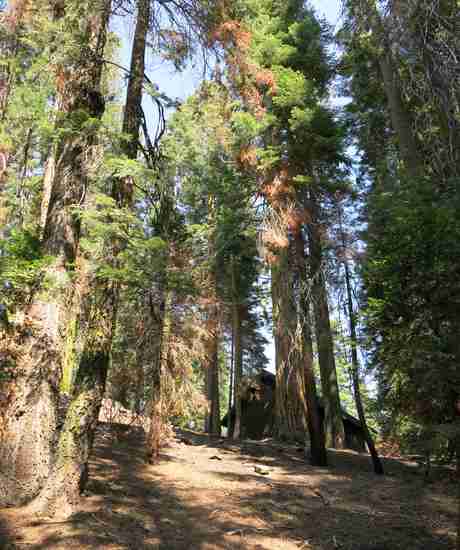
x=290 y=407
x=333 y=423
x=61 y=493
x=318 y=453
x=98 y=304
x=212 y=421
x=238 y=353
x=400 y=117
x=29 y=423
x=157 y=414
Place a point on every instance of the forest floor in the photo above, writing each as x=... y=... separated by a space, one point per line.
x=206 y=494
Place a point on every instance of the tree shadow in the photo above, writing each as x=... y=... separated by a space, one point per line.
x=130 y=505
x=6 y=536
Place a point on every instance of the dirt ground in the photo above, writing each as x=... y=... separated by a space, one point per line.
x=207 y=495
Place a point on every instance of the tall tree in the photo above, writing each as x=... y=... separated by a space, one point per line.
x=34 y=394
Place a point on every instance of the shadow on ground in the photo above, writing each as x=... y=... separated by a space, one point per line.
x=187 y=503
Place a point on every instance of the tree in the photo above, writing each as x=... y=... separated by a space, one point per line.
x=409 y=272
x=78 y=77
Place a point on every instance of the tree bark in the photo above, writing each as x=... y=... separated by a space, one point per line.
x=133 y=111
x=212 y=421
x=333 y=423
x=30 y=419
x=315 y=424
x=238 y=353
x=61 y=493
x=96 y=308
x=231 y=386
x=290 y=407
x=157 y=413
x=98 y=305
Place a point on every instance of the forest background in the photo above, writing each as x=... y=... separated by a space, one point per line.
x=147 y=257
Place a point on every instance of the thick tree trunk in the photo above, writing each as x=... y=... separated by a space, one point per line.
x=333 y=423
x=69 y=474
x=29 y=420
x=290 y=407
x=400 y=117
x=315 y=424
x=97 y=307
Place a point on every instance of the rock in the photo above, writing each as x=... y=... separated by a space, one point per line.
x=261 y=470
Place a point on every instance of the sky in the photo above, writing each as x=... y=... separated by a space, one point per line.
x=329 y=8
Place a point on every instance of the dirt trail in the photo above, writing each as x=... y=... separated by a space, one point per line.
x=207 y=495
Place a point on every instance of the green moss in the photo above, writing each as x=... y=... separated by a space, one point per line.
x=70 y=358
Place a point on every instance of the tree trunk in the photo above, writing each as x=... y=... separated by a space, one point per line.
x=212 y=422
x=231 y=386
x=333 y=423
x=400 y=116
x=157 y=413
x=399 y=113
x=29 y=421
x=61 y=493
x=96 y=309
x=378 y=467
x=238 y=353
x=315 y=424
x=290 y=407
x=133 y=112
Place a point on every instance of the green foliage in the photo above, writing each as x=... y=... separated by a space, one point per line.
x=21 y=266
x=110 y=228
x=414 y=298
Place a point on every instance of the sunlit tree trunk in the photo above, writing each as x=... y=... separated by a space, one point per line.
x=290 y=407
x=29 y=422
x=97 y=306
x=315 y=424
x=333 y=423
